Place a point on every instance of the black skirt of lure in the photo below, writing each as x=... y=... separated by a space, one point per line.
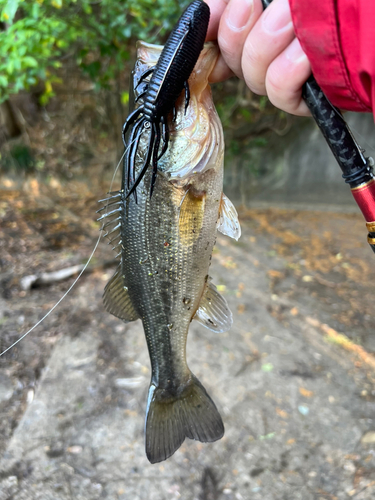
x=168 y=79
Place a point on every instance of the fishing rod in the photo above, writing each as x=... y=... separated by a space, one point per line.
x=356 y=169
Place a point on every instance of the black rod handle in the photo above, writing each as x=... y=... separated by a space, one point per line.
x=348 y=154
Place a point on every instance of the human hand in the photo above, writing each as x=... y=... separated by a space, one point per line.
x=260 y=47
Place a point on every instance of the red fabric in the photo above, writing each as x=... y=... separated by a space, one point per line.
x=338 y=37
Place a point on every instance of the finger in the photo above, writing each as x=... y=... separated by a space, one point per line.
x=272 y=33
x=285 y=77
x=236 y=22
x=221 y=71
x=217 y=8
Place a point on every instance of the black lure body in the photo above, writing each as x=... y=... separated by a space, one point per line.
x=168 y=79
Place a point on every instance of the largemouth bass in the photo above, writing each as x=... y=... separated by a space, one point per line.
x=165 y=245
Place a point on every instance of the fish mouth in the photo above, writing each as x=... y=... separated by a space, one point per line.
x=149 y=53
x=196 y=137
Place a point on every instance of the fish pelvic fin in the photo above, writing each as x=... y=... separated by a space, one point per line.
x=116 y=298
x=169 y=420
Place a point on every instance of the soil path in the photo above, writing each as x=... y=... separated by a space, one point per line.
x=297 y=398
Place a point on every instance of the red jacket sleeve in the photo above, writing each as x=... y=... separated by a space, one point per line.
x=338 y=37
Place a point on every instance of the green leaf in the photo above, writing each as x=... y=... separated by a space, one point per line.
x=125 y=97
x=9 y=11
x=57 y=3
x=92 y=69
x=3 y=81
x=31 y=62
x=246 y=114
x=10 y=66
x=35 y=10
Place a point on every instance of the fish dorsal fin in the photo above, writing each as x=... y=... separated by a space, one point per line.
x=116 y=299
x=213 y=311
x=228 y=219
x=111 y=218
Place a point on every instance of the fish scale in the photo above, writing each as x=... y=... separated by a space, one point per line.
x=158 y=282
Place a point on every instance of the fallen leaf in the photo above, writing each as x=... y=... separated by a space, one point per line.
x=282 y=413
x=305 y=392
x=74 y=450
x=368 y=438
x=241 y=308
x=272 y=273
x=267 y=367
x=307 y=278
x=294 y=311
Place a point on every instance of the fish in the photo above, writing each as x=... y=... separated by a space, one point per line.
x=165 y=245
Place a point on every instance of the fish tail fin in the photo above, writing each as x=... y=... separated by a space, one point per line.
x=191 y=413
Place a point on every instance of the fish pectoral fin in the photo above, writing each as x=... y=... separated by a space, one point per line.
x=213 y=311
x=228 y=222
x=191 y=413
x=116 y=299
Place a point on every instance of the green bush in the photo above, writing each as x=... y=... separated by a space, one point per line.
x=19 y=159
x=37 y=36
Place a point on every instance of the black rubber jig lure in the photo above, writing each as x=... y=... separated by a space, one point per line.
x=169 y=78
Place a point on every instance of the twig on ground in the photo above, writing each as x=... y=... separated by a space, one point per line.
x=33 y=280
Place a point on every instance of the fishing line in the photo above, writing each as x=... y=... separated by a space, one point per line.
x=80 y=274
x=364 y=140
x=60 y=300
x=154 y=37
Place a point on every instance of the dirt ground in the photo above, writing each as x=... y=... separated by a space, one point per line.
x=294 y=379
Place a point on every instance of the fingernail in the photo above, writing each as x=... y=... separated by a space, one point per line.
x=294 y=52
x=277 y=17
x=239 y=13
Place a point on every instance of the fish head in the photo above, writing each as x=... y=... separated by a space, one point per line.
x=196 y=142
x=148 y=55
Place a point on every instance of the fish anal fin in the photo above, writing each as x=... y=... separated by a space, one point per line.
x=192 y=414
x=228 y=222
x=116 y=299
x=213 y=311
